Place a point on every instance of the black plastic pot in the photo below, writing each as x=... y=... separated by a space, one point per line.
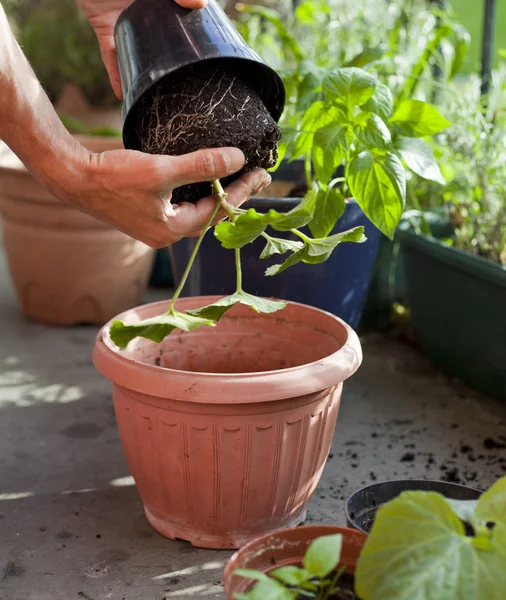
x=157 y=38
x=361 y=507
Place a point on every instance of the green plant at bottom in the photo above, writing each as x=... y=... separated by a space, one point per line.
x=317 y=578
x=424 y=546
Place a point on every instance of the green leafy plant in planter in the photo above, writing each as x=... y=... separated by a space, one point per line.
x=355 y=125
x=319 y=576
x=425 y=547
x=422 y=546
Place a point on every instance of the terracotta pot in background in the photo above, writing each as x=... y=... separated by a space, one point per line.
x=227 y=430
x=285 y=548
x=67 y=267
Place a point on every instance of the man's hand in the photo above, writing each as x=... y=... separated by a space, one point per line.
x=127 y=189
x=103 y=15
x=132 y=190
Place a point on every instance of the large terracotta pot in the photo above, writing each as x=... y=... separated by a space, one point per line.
x=287 y=548
x=226 y=430
x=67 y=267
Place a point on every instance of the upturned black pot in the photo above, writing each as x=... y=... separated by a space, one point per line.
x=155 y=39
x=362 y=506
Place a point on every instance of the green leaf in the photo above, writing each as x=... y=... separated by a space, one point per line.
x=251 y=224
x=418 y=155
x=329 y=209
x=251 y=574
x=307 y=90
x=290 y=575
x=323 y=555
x=464 y=509
x=415 y=118
x=155 y=329
x=279 y=246
x=378 y=184
x=462 y=44
x=418 y=550
x=374 y=133
x=216 y=310
x=318 y=115
x=318 y=250
x=299 y=216
x=330 y=147
x=349 y=86
x=492 y=504
x=270 y=589
x=381 y=103
x=366 y=57
x=246 y=229
x=285 y=147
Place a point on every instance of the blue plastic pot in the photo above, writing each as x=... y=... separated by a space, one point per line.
x=338 y=285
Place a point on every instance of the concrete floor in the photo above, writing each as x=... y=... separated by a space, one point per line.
x=71 y=524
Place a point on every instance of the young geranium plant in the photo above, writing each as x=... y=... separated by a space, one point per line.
x=425 y=547
x=319 y=576
x=241 y=228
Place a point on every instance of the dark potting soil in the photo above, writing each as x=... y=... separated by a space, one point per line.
x=208 y=107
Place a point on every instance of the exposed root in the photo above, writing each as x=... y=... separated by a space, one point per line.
x=208 y=110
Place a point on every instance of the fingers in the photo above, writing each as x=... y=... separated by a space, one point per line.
x=203 y=165
x=195 y=216
x=110 y=59
x=192 y=3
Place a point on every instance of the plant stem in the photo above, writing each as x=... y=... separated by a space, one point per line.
x=300 y=234
x=218 y=191
x=238 y=269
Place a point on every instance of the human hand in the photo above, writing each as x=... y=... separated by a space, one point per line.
x=103 y=15
x=132 y=190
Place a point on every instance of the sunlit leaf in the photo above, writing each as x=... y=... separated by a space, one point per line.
x=419 y=157
x=156 y=328
x=381 y=102
x=418 y=550
x=323 y=555
x=279 y=246
x=415 y=118
x=366 y=57
x=329 y=209
x=330 y=146
x=349 y=86
x=290 y=575
x=318 y=250
x=216 y=310
x=378 y=184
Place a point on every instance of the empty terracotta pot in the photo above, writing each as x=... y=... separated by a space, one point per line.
x=286 y=548
x=226 y=430
x=67 y=267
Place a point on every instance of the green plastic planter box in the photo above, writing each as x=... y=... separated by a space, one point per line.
x=388 y=284
x=458 y=307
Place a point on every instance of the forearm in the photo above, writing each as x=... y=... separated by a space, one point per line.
x=29 y=124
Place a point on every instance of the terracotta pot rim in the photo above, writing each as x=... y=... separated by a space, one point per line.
x=308 y=378
x=318 y=530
